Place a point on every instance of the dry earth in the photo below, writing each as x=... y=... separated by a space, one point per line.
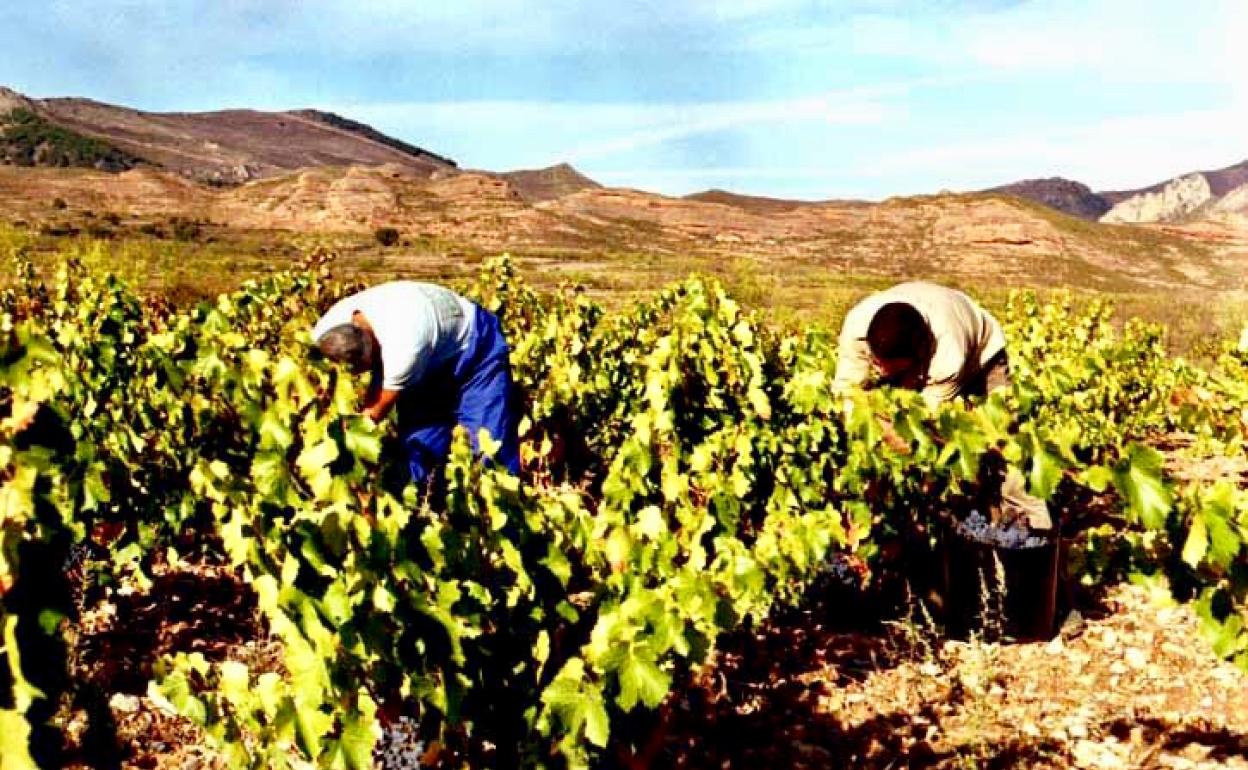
x=968 y=237
x=1131 y=685
x=1128 y=683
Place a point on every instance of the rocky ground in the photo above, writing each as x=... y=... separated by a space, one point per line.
x=1128 y=683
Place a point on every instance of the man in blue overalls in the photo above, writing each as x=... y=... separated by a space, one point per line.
x=441 y=359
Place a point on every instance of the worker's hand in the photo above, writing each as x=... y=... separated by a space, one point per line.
x=893 y=439
x=376 y=407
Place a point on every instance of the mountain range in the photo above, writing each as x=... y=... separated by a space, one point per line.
x=314 y=171
x=1220 y=194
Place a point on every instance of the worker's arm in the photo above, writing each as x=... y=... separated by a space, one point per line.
x=379 y=401
x=853 y=365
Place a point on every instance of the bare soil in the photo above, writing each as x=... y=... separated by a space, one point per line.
x=1128 y=683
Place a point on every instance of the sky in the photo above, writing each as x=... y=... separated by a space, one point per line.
x=811 y=99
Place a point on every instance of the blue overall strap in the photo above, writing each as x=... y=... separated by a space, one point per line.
x=477 y=393
x=487 y=397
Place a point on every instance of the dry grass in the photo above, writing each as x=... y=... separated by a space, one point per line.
x=787 y=290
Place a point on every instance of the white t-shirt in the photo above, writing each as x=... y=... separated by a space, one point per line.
x=966 y=336
x=419 y=326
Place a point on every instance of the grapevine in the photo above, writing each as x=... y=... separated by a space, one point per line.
x=687 y=471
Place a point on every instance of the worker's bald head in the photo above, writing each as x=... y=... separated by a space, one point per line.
x=898 y=332
x=350 y=345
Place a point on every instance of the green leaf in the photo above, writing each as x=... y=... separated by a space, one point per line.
x=235 y=683
x=650 y=522
x=1219 y=512
x=95 y=491
x=274 y=433
x=337 y=603
x=619 y=548
x=270 y=689
x=24 y=693
x=597 y=723
x=176 y=688
x=313 y=726
x=1044 y=475
x=1197 y=542
x=15 y=742
x=317 y=456
x=362 y=439
x=1097 y=478
x=758 y=400
x=1138 y=479
x=642 y=680
x=357 y=736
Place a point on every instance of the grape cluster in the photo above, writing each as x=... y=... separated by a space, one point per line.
x=399 y=747
x=843 y=569
x=979 y=529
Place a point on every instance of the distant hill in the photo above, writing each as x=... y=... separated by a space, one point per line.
x=368 y=132
x=1016 y=241
x=1221 y=182
x=1185 y=198
x=1065 y=195
x=224 y=147
x=1197 y=195
x=28 y=139
x=546 y=184
x=72 y=165
x=755 y=204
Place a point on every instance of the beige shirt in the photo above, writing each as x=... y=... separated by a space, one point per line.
x=966 y=337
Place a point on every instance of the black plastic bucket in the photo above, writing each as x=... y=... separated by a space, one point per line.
x=985 y=583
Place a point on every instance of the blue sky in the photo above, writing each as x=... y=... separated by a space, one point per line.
x=797 y=98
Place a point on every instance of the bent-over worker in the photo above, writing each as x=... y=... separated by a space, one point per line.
x=436 y=356
x=924 y=337
x=938 y=341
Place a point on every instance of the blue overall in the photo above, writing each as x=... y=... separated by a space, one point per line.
x=473 y=390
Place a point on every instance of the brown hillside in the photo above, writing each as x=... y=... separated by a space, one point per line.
x=232 y=145
x=546 y=184
x=755 y=204
x=980 y=236
x=11 y=100
x=1064 y=195
x=225 y=147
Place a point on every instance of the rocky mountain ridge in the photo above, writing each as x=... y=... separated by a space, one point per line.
x=220 y=147
x=307 y=172
x=1189 y=197
x=544 y=184
x=1065 y=195
x=1018 y=242
x=230 y=147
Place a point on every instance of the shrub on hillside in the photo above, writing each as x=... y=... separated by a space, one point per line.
x=28 y=139
x=184 y=229
x=386 y=236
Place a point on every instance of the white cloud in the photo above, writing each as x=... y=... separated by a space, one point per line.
x=678 y=122
x=592 y=131
x=1116 y=153
x=1114 y=41
x=1110 y=41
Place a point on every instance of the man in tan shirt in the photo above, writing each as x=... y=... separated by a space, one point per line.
x=924 y=337
x=938 y=341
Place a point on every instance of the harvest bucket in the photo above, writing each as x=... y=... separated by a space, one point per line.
x=983 y=581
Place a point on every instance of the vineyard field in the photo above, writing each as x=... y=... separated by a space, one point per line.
x=690 y=483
